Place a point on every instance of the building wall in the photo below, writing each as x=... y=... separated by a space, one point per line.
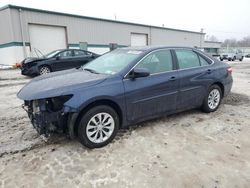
x=175 y=38
x=78 y=29
x=104 y=32
x=12 y=55
x=97 y=33
x=6 y=35
x=211 y=44
x=6 y=38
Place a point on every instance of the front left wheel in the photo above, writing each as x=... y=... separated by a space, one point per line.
x=44 y=69
x=98 y=126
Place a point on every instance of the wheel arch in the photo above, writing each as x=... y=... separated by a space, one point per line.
x=45 y=65
x=221 y=87
x=99 y=102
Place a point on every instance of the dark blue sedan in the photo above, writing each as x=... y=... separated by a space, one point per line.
x=124 y=87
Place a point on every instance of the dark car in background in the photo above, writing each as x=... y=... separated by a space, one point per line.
x=248 y=55
x=56 y=61
x=124 y=87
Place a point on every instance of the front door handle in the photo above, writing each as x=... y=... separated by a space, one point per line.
x=172 y=78
x=209 y=71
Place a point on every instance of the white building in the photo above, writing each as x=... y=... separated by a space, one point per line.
x=25 y=31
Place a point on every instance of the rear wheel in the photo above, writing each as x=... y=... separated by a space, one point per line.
x=98 y=126
x=213 y=99
x=44 y=69
x=241 y=58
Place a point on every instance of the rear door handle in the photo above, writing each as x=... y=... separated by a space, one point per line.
x=172 y=78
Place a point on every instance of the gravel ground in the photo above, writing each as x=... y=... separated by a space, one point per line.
x=190 y=149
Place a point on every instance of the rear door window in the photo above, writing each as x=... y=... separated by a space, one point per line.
x=65 y=54
x=80 y=53
x=187 y=59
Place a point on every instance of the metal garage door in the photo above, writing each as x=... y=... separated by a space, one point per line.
x=138 y=39
x=46 y=38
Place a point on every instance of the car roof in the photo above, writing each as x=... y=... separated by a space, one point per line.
x=150 y=48
x=68 y=49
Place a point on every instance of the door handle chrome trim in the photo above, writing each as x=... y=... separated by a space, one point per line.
x=172 y=78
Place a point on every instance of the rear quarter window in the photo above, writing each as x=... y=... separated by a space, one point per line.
x=203 y=61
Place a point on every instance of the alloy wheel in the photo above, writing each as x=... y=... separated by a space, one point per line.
x=44 y=70
x=214 y=99
x=100 y=127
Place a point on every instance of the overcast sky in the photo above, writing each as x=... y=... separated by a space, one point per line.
x=222 y=18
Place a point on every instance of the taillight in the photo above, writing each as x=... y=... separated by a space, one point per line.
x=230 y=70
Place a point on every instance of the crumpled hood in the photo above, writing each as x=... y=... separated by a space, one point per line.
x=58 y=83
x=32 y=59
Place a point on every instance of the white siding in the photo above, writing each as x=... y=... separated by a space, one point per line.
x=95 y=31
x=6 y=31
x=46 y=38
x=98 y=50
x=210 y=44
x=139 y=39
x=175 y=38
x=11 y=55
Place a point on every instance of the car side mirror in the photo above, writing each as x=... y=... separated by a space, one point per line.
x=138 y=73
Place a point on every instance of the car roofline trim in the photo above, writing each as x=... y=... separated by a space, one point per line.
x=125 y=77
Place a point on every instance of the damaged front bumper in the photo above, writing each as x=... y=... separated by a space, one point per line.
x=47 y=115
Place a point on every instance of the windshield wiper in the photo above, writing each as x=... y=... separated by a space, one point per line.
x=91 y=70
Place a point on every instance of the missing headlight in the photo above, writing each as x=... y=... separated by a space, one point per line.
x=35 y=106
x=56 y=103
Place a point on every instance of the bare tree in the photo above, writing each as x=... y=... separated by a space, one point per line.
x=244 y=42
x=230 y=42
x=212 y=38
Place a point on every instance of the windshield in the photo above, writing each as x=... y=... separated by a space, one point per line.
x=51 y=54
x=112 y=62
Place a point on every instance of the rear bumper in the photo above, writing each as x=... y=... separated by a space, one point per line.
x=228 y=87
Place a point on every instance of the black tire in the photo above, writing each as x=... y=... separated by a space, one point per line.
x=82 y=127
x=221 y=59
x=205 y=106
x=241 y=59
x=43 y=67
x=234 y=58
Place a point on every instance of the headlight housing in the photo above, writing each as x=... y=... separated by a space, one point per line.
x=53 y=104
x=56 y=103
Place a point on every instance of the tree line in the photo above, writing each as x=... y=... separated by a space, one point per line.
x=244 y=42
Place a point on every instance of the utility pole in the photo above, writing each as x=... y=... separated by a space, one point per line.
x=201 y=38
x=22 y=33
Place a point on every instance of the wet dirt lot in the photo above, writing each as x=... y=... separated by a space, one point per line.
x=190 y=149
